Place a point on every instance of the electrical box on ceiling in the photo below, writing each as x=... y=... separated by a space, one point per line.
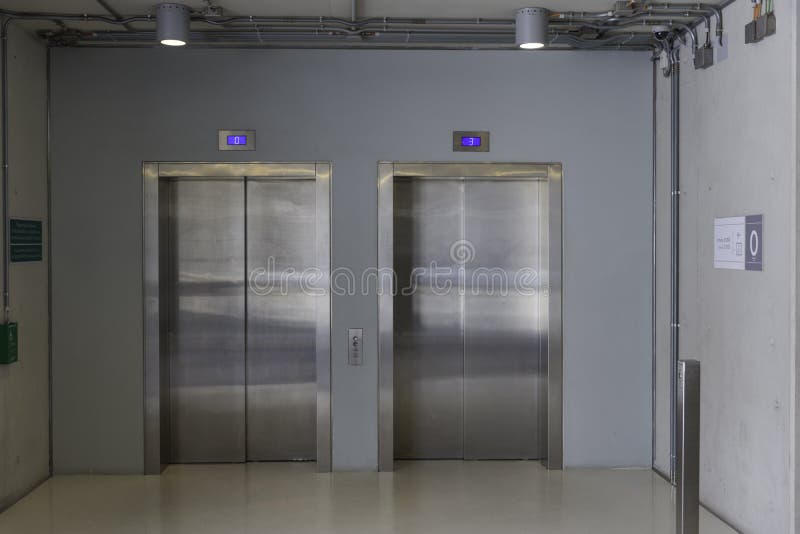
x=761 y=26
x=625 y=5
x=704 y=57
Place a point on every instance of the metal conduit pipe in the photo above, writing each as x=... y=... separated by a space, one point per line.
x=467 y=23
x=649 y=16
x=689 y=13
x=613 y=20
x=708 y=31
x=619 y=39
x=347 y=31
x=493 y=39
x=323 y=23
x=366 y=26
x=675 y=192
x=322 y=30
x=336 y=30
x=654 y=272
x=696 y=8
x=718 y=13
x=500 y=33
x=693 y=37
x=671 y=12
x=656 y=15
x=358 y=22
x=408 y=20
x=105 y=5
x=418 y=20
x=55 y=17
x=716 y=9
x=662 y=9
x=4 y=157
x=641 y=21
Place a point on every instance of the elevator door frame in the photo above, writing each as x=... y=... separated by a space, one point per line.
x=156 y=356
x=551 y=234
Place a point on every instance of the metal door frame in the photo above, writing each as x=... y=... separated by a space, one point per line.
x=152 y=173
x=551 y=233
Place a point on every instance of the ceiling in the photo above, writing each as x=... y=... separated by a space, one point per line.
x=290 y=33
x=369 y=8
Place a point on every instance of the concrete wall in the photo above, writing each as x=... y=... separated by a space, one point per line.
x=112 y=109
x=24 y=386
x=661 y=428
x=739 y=146
x=794 y=425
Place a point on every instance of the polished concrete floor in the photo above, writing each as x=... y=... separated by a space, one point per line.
x=419 y=497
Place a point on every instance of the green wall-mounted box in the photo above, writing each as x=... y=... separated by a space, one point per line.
x=9 y=343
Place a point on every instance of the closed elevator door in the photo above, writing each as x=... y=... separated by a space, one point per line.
x=281 y=323
x=467 y=332
x=207 y=321
x=242 y=356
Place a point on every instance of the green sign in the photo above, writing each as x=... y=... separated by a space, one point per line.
x=9 y=343
x=26 y=240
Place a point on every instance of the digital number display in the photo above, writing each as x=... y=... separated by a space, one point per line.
x=237 y=140
x=470 y=141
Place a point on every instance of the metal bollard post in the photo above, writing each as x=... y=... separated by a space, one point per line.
x=687 y=466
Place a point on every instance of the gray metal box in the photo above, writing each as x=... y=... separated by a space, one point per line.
x=750 y=33
x=772 y=24
x=761 y=27
x=704 y=57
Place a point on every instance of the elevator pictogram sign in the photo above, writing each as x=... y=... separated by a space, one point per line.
x=739 y=243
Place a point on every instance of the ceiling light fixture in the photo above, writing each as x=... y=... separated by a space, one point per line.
x=172 y=24
x=531 y=27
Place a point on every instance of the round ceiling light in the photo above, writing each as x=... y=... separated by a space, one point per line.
x=172 y=24
x=531 y=27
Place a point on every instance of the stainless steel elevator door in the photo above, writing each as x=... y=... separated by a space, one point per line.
x=429 y=363
x=207 y=321
x=466 y=339
x=281 y=321
x=243 y=354
x=501 y=320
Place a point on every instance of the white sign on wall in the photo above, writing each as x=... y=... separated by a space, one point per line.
x=739 y=243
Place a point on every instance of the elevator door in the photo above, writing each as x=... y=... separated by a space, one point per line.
x=243 y=355
x=429 y=343
x=467 y=332
x=207 y=321
x=281 y=323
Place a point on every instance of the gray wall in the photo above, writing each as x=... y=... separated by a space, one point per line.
x=794 y=436
x=739 y=149
x=661 y=429
x=24 y=386
x=112 y=109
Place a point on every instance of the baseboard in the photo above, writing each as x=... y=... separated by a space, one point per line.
x=663 y=475
x=720 y=517
x=708 y=509
x=15 y=497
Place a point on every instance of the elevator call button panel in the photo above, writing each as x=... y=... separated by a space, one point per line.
x=470 y=141
x=237 y=139
x=355 y=342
